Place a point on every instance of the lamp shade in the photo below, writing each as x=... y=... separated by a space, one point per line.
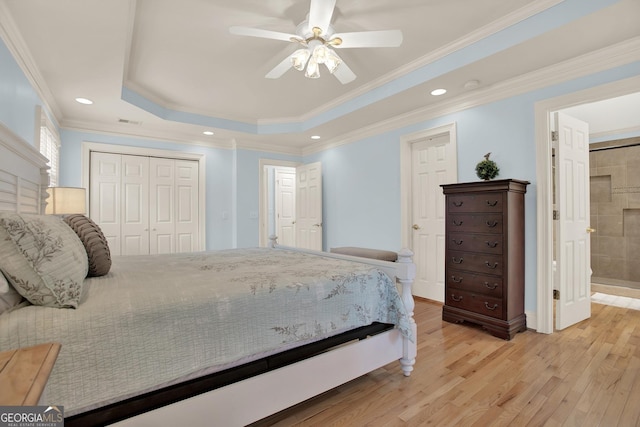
x=66 y=200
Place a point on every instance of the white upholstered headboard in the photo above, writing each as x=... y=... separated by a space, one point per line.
x=23 y=175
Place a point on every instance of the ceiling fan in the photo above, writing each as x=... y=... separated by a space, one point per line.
x=317 y=39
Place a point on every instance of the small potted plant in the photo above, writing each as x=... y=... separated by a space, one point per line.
x=487 y=169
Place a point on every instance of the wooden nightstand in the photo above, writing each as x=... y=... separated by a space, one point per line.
x=24 y=373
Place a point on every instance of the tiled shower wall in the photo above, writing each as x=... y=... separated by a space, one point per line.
x=615 y=212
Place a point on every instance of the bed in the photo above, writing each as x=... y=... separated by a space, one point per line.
x=203 y=338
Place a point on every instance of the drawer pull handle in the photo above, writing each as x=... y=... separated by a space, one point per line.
x=492 y=223
x=458 y=223
x=456 y=279
x=491 y=244
x=492 y=203
x=486 y=304
x=457 y=204
x=488 y=264
x=453 y=297
x=457 y=242
x=491 y=286
x=457 y=260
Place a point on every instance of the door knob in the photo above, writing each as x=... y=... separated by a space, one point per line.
x=317 y=225
x=591 y=230
x=416 y=227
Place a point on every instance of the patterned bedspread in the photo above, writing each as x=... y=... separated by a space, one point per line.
x=156 y=319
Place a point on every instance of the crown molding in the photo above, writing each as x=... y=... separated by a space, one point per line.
x=17 y=46
x=275 y=149
x=176 y=137
x=583 y=65
x=140 y=133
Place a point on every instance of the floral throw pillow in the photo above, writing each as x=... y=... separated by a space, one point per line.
x=43 y=259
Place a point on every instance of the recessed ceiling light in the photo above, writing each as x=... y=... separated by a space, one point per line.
x=438 y=92
x=208 y=132
x=315 y=137
x=84 y=101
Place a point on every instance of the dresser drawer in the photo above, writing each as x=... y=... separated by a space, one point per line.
x=485 y=243
x=473 y=282
x=479 y=202
x=475 y=262
x=474 y=223
x=476 y=303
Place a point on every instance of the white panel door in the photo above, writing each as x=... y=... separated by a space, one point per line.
x=134 y=229
x=162 y=218
x=285 y=190
x=573 y=241
x=433 y=162
x=309 y=206
x=187 y=209
x=104 y=201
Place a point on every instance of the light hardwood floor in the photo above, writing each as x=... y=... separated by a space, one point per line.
x=586 y=375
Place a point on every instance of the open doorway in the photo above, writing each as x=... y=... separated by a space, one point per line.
x=615 y=190
x=267 y=224
x=544 y=318
x=291 y=204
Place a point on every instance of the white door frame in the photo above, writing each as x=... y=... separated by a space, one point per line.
x=406 y=202
x=263 y=239
x=277 y=211
x=88 y=147
x=543 y=124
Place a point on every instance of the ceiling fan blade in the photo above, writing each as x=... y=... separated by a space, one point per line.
x=266 y=34
x=320 y=14
x=384 y=38
x=344 y=74
x=281 y=68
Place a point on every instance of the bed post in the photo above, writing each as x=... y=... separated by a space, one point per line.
x=409 y=348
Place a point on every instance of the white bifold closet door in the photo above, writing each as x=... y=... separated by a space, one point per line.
x=145 y=205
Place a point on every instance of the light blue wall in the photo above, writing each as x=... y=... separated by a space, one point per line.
x=361 y=181
x=18 y=100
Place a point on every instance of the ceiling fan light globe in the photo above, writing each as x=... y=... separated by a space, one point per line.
x=299 y=58
x=313 y=70
x=332 y=61
x=321 y=54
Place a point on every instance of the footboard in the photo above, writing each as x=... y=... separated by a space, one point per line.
x=403 y=271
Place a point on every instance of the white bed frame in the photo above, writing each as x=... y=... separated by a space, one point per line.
x=23 y=180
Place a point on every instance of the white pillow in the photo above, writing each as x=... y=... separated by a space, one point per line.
x=9 y=297
x=42 y=258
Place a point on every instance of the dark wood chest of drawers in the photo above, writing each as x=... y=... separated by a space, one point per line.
x=484 y=264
